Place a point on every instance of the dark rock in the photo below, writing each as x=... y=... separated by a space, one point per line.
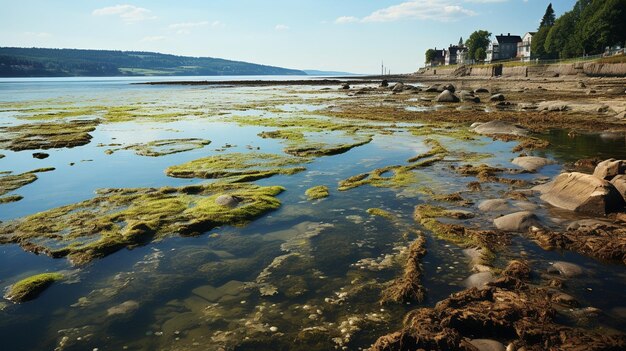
x=384 y=83
x=40 y=155
x=447 y=96
x=497 y=97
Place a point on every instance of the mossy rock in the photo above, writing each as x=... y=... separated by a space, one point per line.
x=50 y=135
x=239 y=167
x=29 y=288
x=317 y=192
x=119 y=218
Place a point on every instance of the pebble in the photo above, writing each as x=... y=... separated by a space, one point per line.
x=273 y=329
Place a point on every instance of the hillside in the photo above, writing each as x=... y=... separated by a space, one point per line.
x=37 y=62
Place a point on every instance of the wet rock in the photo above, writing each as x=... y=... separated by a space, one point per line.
x=435 y=88
x=497 y=97
x=447 y=96
x=479 y=280
x=345 y=86
x=384 y=83
x=565 y=299
x=590 y=224
x=553 y=106
x=500 y=127
x=227 y=200
x=40 y=155
x=494 y=205
x=398 y=87
x=449 y=87
x=581 y=192
x=608 y=169
x=566 y=269
x=481 y=90
x=619 y=182
x=531 y=163
x=487 y=345
x=123 y=308
x=516 y=222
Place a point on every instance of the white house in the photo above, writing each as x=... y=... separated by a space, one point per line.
x=523 y=47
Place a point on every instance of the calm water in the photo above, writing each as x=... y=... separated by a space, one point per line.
x=192 y=293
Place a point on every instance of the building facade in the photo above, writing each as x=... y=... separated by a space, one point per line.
x=503 y=48
x=523 y=47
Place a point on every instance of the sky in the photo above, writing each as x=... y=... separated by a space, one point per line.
x=341 y=35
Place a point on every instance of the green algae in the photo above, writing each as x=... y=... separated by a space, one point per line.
x=10 y=198
x=163 y=147
x=381 y=213
x=397 y=175
x=238 y=167
x=112 y=114
x=125 y=218
x=446 y=130
x=47 y=135
x=29 y=288
x=11 y=182
x=317 y=192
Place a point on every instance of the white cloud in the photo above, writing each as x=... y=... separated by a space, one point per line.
x=346 y=19
x=185 y=27
x=41 y=35
x=281 y=27
x=217 y=24
x=128 y=13
x=487 y=1
x=153 y=39
x=436 y=10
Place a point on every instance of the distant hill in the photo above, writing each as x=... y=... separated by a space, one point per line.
x=313 y=72
x=38 y=62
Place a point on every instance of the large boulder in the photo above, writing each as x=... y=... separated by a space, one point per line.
x=487 y=345
x=495 y=205
x=435 y=88
x=447 y=96
x=531 y=163
x=497 y=97
x=608 y=169
x=516 y=222
x=581 y=192
x=619 y=182
x=500 y=127
x=449 y=87
x=398 y=87
x=227 y=201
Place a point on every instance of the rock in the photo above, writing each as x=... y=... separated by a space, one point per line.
x=566 y=269
x=449 y=87
x=494 y=205
x=553 y=106
x=497 y=97
x=589 y=224
x=468 y=96
x=447 y=96
x=398 y=87
x=123 y=308
x=619 y=182
x=581 y=85
x=581 y=192
x=608 y=169
x=487 y=345
x=565 y=299
x=227 y=200
x=500 y=127
x=481 y=90
x=591 y=91
x=345 y=86
x=384 y=83
x=40 y=155
x=517 y=222
x=616 y=91
x=479 y=280
x=531 y=163
x=436 y=88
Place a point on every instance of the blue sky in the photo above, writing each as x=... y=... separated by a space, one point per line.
x=345 y=35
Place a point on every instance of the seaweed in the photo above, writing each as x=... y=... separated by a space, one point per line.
x=48 y=135
x=408 y=288
x=317 y=192
x=29 y=288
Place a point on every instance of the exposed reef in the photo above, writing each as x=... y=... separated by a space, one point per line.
x=49 y=135
x=29 y=288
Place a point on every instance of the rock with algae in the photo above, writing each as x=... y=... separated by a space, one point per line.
x=29 y=288
x=317 y=192
x=125 y=218
x=165 y=146
x=50 y=135
x=238 y=167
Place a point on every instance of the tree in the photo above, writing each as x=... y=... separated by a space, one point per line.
x=562 y=40
x=461 y=41
x=430 y=55
x=548 y=18
x=601 y=24
x=537 y=49
x=480 y=54
x=478 y=39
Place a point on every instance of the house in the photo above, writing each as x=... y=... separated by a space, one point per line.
x=452 y=54
x=523 y=47
x=503 y=48
x=439 y=59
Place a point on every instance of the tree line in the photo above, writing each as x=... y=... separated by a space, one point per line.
x=587 y=29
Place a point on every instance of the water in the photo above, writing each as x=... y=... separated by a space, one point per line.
x=193 y=292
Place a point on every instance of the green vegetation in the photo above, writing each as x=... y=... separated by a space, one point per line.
x=430 y=55
x=590 y=27
x=477 y=40
x=125 y=218
x=47 y=135
x=165 y=146
x=381 y=213
x=29 y=288
x=39 y=62
x=11 y=182
x=317 y=192
x=10 y=198
x=238 y=167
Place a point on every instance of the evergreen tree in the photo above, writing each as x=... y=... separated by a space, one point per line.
x=548 y=18
x=461 y=41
